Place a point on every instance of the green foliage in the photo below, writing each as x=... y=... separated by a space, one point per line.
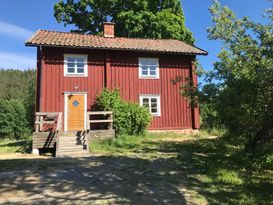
x=129 y=118
x=244 y=74
x=137 y=18
x=13 y=122
x=6 y=119
x=17 y=96
x=15 y=83
x=208 y=98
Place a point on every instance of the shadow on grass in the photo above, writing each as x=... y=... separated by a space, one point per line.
x=20 y=146
x=219 y=171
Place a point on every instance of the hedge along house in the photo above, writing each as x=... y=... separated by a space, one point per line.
x=73 y=68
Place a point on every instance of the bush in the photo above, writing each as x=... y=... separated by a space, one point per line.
x=129 y=118
x=13 y=122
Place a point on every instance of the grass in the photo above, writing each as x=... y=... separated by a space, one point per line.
x=13 y=146
x=217 y=168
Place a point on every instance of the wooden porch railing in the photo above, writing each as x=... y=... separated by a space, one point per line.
x=46 y=121
x=108 y=115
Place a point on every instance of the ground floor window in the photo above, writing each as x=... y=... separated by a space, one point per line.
x=152 y=102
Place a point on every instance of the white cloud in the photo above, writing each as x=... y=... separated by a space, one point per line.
x=15 y=31
x=17 y=60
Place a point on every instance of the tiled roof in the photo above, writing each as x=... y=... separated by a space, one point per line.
x=75 y=40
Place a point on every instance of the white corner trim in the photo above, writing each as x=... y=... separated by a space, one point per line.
x=66 y=109
x=85 y=74
x=65 y=112
x=148 y=76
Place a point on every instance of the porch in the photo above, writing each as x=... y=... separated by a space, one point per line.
x=49 y=133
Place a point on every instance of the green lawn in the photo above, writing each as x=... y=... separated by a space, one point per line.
x=216 y=168
x=13 y=146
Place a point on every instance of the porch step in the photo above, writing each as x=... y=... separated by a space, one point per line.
x=73 y=154
x=72 y=144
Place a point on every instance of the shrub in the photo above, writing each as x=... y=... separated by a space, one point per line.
x=13 y=122
x=129 y=118
x=6 y=119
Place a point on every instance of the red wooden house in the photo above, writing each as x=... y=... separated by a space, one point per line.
x=73 y=68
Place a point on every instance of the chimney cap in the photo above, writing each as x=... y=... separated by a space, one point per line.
x=108 y=23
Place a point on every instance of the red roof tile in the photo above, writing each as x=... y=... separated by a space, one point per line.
x=75 y=40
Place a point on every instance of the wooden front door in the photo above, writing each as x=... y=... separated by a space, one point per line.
x=75 y=112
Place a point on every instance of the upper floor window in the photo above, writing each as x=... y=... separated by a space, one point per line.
x=75 y=65
x=148 y=68
x=152 y=102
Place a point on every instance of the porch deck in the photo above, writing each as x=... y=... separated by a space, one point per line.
x=48 y=133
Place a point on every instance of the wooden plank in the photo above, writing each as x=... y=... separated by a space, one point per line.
x=45 y=113
x=100 y=121
x=100 y=113
x=45 y=122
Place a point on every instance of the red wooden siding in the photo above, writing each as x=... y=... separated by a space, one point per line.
x=121 y=72
x=175 y=111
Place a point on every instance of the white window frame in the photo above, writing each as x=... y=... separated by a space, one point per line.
x=150 y=96
x=156 y=76
x=76 y=74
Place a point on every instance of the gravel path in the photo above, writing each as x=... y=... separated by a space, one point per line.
x=92 y=180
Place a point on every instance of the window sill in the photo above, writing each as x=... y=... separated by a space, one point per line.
x=155 y=115
x=75 y=76
x=148 y=77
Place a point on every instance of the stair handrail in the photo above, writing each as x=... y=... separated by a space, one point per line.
x=108 y=120
x=40 y=120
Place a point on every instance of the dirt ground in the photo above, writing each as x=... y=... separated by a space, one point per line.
x=26 y=179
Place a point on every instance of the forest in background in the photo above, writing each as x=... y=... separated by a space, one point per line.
x=17 y=102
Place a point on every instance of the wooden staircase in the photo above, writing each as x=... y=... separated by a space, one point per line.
x=72 y=144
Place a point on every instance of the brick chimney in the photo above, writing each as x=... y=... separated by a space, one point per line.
x=108 y=29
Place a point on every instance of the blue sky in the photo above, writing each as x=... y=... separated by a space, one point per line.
x=20 y=19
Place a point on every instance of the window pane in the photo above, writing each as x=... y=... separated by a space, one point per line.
x=80 y=70
x=144 y=73
x=144 y=70
x=152 y=73
x=153 y=100
x=154 y=110
x=70 y=60
x=80 y=65
x=80 y=60
x=70 y=70
x=71 y=65
x=153 y=105
x=148 y=61
x=145 y=102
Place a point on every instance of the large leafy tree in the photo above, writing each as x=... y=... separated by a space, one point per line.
x=134 y=18
x=244 y=74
